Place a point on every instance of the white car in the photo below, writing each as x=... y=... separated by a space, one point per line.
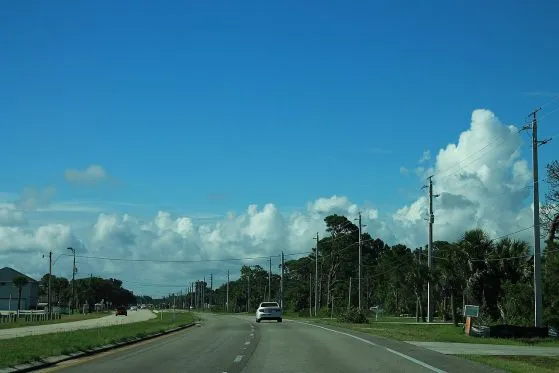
x=268 y=311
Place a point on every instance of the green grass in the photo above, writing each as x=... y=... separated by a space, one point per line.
x=432 y=333
x=32 y=348
x=64 y=318
x=519 y=364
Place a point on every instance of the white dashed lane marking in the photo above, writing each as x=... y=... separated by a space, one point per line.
x=247 y=342
x=238 y=359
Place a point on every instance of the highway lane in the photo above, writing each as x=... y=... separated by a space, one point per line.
x=237 y=344
x=213 y=346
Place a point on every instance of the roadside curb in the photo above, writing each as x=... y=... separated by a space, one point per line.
x=53 y=360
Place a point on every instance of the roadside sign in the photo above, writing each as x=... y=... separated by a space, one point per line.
x=471 y=310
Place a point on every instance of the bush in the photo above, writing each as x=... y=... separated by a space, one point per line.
x=354 y=316
x=304 y=312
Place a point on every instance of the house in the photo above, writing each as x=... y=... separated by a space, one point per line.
x=9 y=293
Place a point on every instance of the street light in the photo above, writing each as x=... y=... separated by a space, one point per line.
x=73 y=277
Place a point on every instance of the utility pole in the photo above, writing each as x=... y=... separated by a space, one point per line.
x=270 y=281
x=248 y=291
x=360 y=250
x=536 y=218
x=204 y=294
x=281 y=281
x=227 y=301
x=359 y=282
x=431 y=220
x=349 y=296
x=50 y=276
x=316 y=278
x=310 y=294
x=73 y=305
x=211 y=288
x=191 y=294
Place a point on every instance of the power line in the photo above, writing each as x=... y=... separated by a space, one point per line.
x=175 y=261
x=153 y=285
x=548 y=113
x=512 y=233
x=493 y=239
x=524 y=256
x=550 y=101
x=495 y=142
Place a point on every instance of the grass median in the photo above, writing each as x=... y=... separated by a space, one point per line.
x=519 y=364
x=65 y=318
x=33 y=348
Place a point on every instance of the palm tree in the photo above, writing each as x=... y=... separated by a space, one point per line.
x=19 y=282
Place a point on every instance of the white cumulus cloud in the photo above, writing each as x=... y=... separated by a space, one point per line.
x=425 y=156
x=478 y=187
x=482 y=181
x=93 y=174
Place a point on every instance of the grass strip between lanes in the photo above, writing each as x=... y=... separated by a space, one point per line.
x=518 y=364
x=432 y=333
x=33 y=348
x=65 y=318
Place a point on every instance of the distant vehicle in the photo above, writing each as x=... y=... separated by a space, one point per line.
x=121 y=311
x=269 y=311
x=133 y=308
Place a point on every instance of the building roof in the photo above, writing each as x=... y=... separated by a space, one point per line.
x=7 y=274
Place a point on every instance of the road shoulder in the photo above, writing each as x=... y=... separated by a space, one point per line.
x=444 y=363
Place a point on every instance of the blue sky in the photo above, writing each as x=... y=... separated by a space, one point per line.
x=258 y=102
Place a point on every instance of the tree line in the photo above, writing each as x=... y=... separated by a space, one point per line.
x=496 y=274
x=87 y=291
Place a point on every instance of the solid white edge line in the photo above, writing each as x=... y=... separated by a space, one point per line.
x=409 y=358
x=238 y=359
x=419 y=362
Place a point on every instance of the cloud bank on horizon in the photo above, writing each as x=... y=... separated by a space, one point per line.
x=480 y=185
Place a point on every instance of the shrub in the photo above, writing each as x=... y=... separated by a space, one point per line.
x=304 y=312
x=354 y=316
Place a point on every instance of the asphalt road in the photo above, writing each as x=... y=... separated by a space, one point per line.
x=236 y=344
